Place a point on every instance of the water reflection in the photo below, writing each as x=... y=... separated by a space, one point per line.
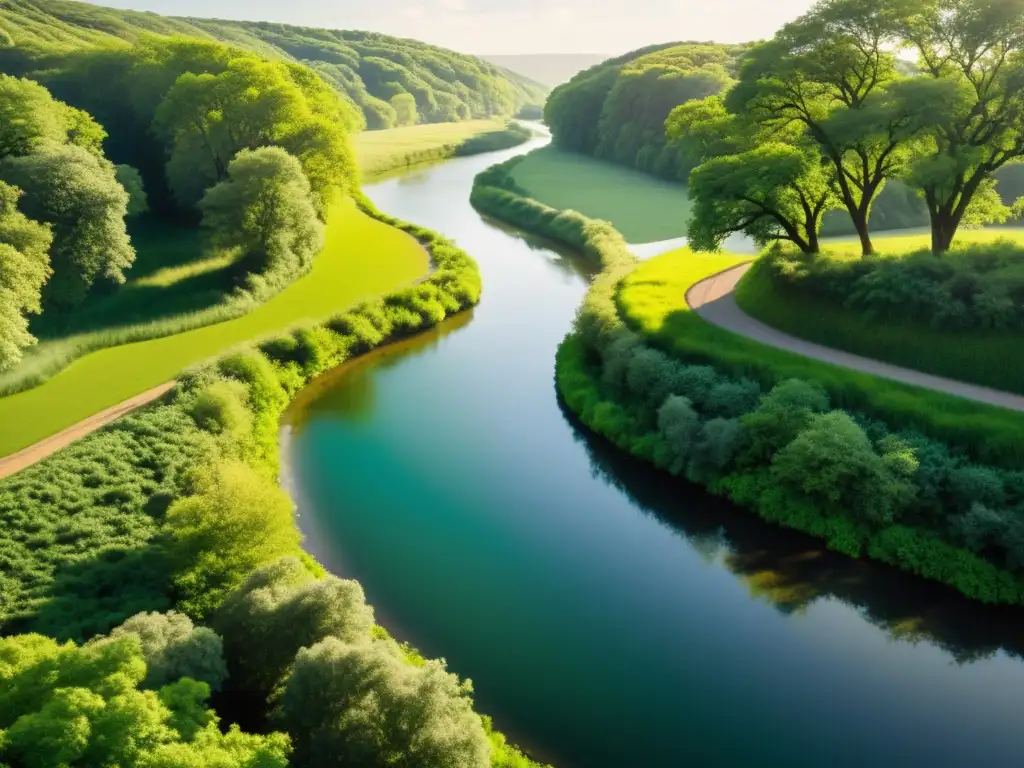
x=791 y=571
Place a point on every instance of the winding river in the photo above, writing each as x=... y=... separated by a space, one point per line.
x=610 y=617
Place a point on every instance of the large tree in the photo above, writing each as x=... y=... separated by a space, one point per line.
x=772 y=192
x=971 y=97
x=264 y=207
x=24 y=269
x=77 y=193
x=30 y=118
x=828 y=72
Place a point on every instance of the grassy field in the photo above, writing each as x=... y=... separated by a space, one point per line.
x=652 y=302
x=362 y=258
x=642 y=208
x=379 y=152
x=979 y=357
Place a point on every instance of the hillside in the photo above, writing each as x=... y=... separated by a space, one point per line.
x=617 y=110
x=393 y=81
x=550 y=69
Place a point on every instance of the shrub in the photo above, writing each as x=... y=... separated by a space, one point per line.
x=362 y=704
x=236 y=522
x=173 y=648
x=782 y=414
x=679 y=425
x=279 y=609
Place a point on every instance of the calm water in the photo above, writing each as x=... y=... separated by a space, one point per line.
x=607 y=615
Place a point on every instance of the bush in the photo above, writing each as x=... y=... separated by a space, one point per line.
x=679 y=425
x=173 y=648
x=362 y=704
x=279 y=609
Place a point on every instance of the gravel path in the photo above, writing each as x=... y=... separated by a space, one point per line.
x=713 y=299
x=29 y=456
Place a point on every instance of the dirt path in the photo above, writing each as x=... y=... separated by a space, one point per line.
x=713 y=299
x=29 y=456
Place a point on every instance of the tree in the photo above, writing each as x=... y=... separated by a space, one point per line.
x=404 y=105
x=972 y=55
x=24 y=269
x=827 y=73
x=834 y=463
x=30 y=119
x=173 y=648
x=236 y=522
x=363 y=704
x=131 y=180
x=64 y=705
x=279 y=609
x=264 y=208
x=773 y=192
x=77 y=193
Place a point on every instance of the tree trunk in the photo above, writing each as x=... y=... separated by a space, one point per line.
x=943 y=231
x=860 y=223
x=813 y=246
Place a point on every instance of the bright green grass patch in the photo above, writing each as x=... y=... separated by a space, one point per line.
x=362 y=258
x=910 y=240
x=642 y=208
x=378 y=152
x=652 y=301
x=976 y=356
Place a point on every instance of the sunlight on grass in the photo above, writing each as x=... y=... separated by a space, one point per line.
x=362 y=258
x=169 y=276
x=381 y=151
x=644 y=209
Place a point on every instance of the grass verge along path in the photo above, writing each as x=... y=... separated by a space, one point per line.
x=644 y=209
x=361 y=258
x=714 y=299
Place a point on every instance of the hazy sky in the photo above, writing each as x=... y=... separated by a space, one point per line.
x=512 y=26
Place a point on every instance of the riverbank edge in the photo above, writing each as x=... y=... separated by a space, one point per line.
x=514 y=134
x=910 y=549
x=297 y=356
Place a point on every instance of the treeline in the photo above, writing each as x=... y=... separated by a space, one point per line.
x=617 y=110
x=163 y=561
x=770 y=442
x=255 y=150
x=823 y=117
x=392 y=81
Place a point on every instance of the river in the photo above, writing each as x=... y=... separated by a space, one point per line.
x=608 y=615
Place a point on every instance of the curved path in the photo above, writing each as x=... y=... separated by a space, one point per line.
x=714 y=300
x=39 y=451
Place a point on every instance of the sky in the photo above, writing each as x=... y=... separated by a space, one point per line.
x=512 y=26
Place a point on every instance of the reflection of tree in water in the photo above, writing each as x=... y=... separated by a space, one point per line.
x=565 y=259
x=791 y=571
x=348 y=392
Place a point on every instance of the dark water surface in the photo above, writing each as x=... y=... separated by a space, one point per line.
x=607 y=615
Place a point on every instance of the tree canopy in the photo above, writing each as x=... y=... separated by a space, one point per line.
x=617 y=110
x=24 y=269
x=367 y=68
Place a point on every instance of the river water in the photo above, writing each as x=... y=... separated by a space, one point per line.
x=610 y=616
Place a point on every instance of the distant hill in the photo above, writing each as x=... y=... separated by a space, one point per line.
x=549 y=69
x=370 y=68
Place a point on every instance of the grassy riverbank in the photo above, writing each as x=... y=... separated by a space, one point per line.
x=644 y=209
x=837 y=454
x=362 y=258
x=381 y=152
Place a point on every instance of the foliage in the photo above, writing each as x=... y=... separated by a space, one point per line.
x=64 y=705
x=24 y=269
x=617 y=110
x=131 y=180
x=173 y=648
x=77 y=193
x=264 y=208
x=367 y=69
x=235 y=522
x=280 y=609
x=363 y=704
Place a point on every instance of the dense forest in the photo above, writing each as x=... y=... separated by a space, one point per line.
x=617 y=110
x=392 y=81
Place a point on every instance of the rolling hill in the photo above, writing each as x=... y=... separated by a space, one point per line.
x=375 y=71
x=550 y=69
